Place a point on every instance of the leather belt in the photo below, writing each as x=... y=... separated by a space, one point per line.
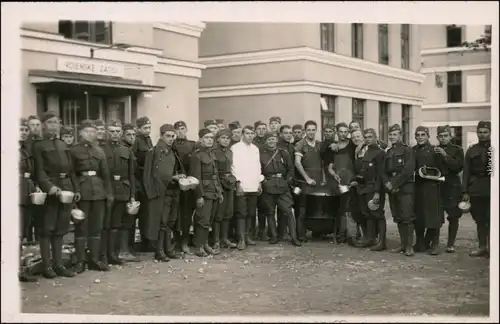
x=62 y=175
x=89 y=173
x=117 y=177
x=213 y=177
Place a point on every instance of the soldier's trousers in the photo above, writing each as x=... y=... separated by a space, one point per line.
x=368 y=214
x=55 y=218
x=204 y=216
x=480 y=209
x=225 y=210
x=402 y=208
x=92 y=225
x=246 y=208
x=186 y=209
x=284 y=204
x=117 y=217
x=261 y=216
x=25 y=221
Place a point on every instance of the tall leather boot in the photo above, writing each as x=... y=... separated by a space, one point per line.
x=225 y=242
x=248 y=232
x=367 y=239
x=59 y=268
x=103 y=253
x=382 y=242
x=434 y=245
x=420 y=244
x=482 y=235
x=301 y=225
x=200 y=241
x=169 y=248
x=452 y=235
x=271 y=223
x=292 y=226
x=95 y=263
x=409 y=240
x=216 y=237
x=124 y=253
x=429 y=235
x=240 y=232
x=206 y=245
x=282 y=227
x=342 y=227
x=185 y=242
x=401 y=247
x=80 y=251
x=48 y=271
x=160 y=255
x=113 y=257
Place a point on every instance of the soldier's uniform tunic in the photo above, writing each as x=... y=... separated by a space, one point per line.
x=260 y=142
x=282 y=220
x=26 y=187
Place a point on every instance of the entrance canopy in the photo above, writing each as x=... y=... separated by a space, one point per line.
x=77 y=82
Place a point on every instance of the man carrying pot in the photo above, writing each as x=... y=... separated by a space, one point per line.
x=91 y=168
x=54 y=173
x=117 y=222
x=208 y=193
x=162 y=171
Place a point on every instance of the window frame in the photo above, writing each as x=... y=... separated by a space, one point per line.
x=405 y=122
x=328 y=116
x=449 y=42
x=454 y=82
x=92 y=31
x=405 y=46
x=357 y=39
x=327 y=37
x=383 y=110
x=383 y=44
x=356 y=115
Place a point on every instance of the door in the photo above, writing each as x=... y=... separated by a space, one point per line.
x=118 y=109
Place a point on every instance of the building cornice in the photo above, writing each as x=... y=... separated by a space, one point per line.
x=306 y=87
x=312 y=55
x=457 y=105
x=470 y=123
x=447 y=50
x=189 y=29
x=471 y=67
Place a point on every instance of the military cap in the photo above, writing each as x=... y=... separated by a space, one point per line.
x=422 y=129
x=258 y=123
x=166 y=128
x=66 y=131
x=234 y=125
x=220 y=121
x=225 y=132
x=179 y=124
x=115 y=123
x=484 y=124
x=394 y=127
x=128 y=126
x=203 y=132
x=48 y=115
x=329 y=126
x=371 y=131
x=141 y=121
x=269 y=135
x=444 y=129
x=24 y=122
x=275 y=119
x=297 y=126
x=210 y=122
x=99 y=122
x=32 y=117
x=86 y=124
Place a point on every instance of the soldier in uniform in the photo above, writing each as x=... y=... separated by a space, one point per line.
x=91 y=168
x=142 y=145
x=224 y=158
x=26 y=187
x=208 y=193
x=162 y=171
x=274 y=124
x=451 y=189
x=184 y=148
x=235 y=128
x=67 y=136
x=259 y=141
x=220 y=124
x=369 y=167
x=428 y=208
x=117 y=223
x=298 y=132
x=35 y=126
x=100 y=133
x=398 y=180
x=277 y=169
x=128 y=135
x=477 y=185
x=128 y=140
x=211 y=125
x=310 y=168
x=260 y=131
x=285 y=142
x=54 y=172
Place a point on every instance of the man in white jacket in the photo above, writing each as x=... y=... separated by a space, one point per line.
x=247 y=171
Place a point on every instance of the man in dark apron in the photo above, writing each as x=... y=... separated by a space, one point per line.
x=208 y=193
x=285 y=142
x=184 y=148
x=91 y=168
x=451 y=188
x=54 y=173
x=259 y=141
x=141 y=147
x=398 y=180
x=310 y=167
x=429 y=211
x=162 y=171
x=26 y=187
x=477 y=185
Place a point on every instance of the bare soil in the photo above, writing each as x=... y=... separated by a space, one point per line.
x=317 y=279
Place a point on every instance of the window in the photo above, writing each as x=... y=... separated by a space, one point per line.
x=328 y=104
x=456 y=133
x=328 y=37
x=383 y=108
x=405 y=122
x=89 y=31
x=454 y=86
x=405 y=46
x=41 y=102
x=358 y=111
x=383 y=44
x=453 y=36
x=357 y=40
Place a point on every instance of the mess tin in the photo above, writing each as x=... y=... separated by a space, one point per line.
x=66 y=197
x=133 y=207
x=77 y=215
x=38 y=198
x=373 y=206
x=464 y=206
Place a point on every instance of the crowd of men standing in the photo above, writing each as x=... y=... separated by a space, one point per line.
x=252 y=184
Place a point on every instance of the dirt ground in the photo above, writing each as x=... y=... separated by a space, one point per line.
x=317 y=279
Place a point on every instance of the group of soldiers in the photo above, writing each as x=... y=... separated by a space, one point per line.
x=252 y=183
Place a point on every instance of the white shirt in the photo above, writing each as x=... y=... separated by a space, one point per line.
x=246 y=166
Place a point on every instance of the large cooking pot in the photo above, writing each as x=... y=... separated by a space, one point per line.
x=38 y=198
x=321 y=209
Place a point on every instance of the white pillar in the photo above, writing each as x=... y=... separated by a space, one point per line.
x=343 y=110
x=370 y=42
x=415 y=59
x=343 y=39
x=372 y=115
x=395 y=114
x=395 y=45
